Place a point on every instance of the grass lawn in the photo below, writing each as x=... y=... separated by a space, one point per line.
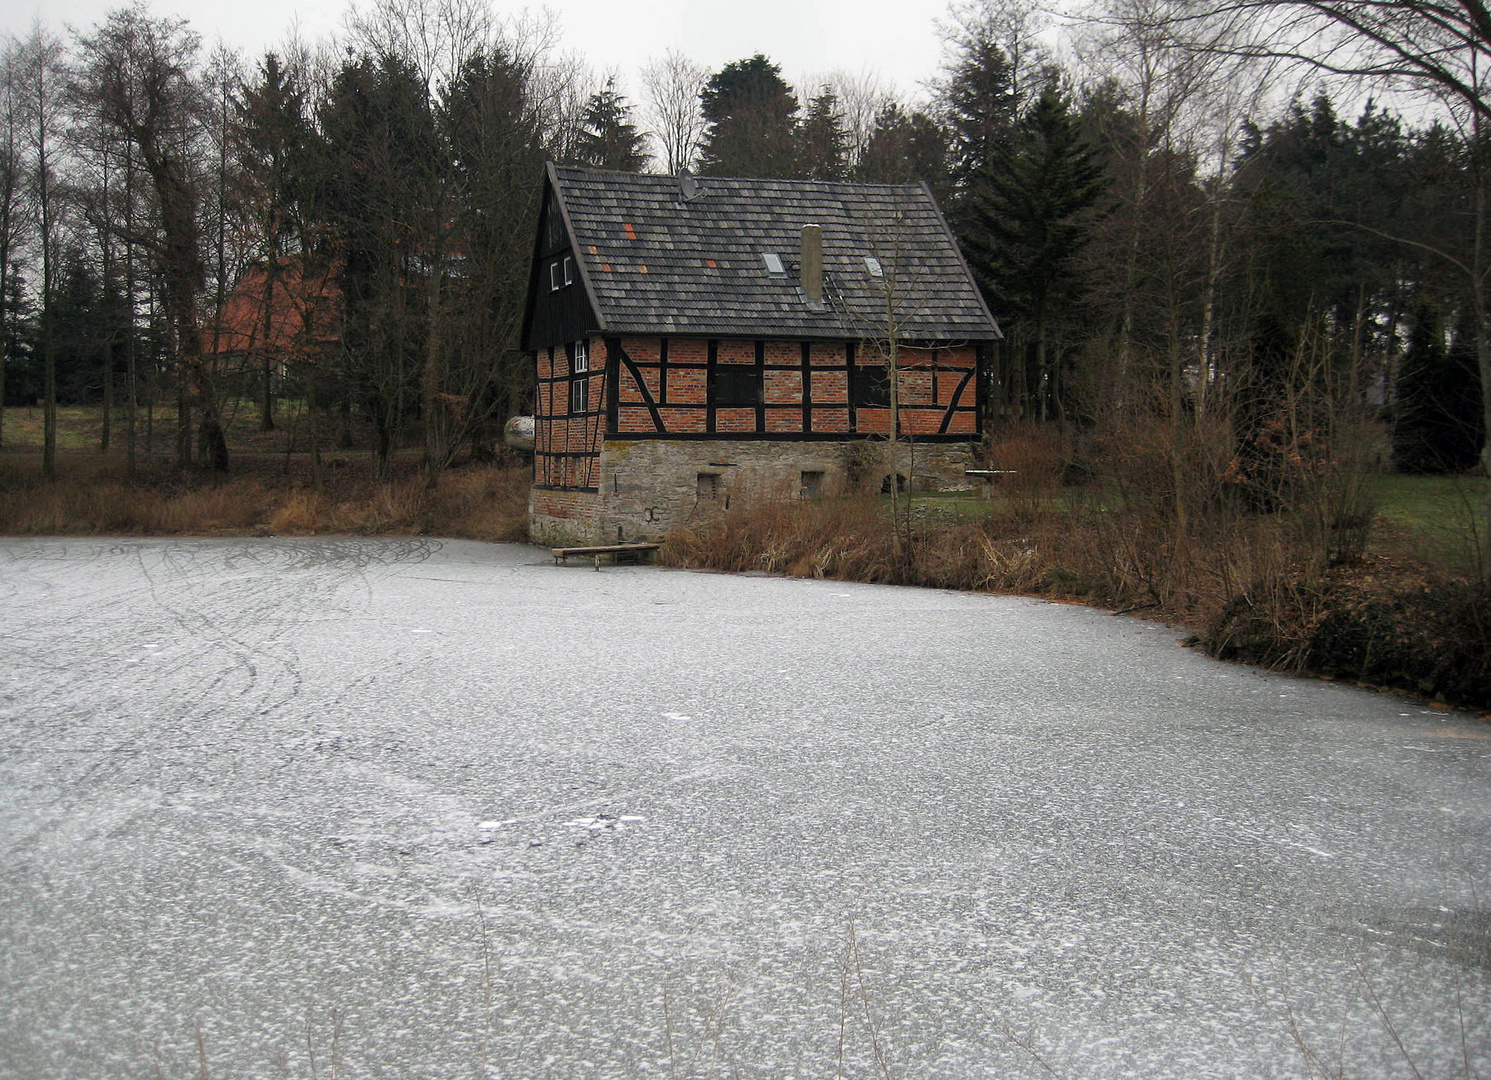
x=80 y=427
x=1441 y=518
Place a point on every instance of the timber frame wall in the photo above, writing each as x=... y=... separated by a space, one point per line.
x=690 y=388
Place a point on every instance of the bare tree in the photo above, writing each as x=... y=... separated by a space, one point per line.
x=137 y=77
x=14 y=219
x=436 y=37
x=42 y=62
x=673 y=85
x=108 y=194
x=101 y=159
x=1440 y=46
x=222 y=204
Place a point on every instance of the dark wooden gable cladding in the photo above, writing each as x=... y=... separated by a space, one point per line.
x=695 y=388
x=559 y=307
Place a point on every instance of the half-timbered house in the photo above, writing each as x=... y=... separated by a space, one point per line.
x=696 y=340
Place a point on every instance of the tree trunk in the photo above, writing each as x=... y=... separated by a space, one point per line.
x=49 y=390
x=183 y=429
x=266 y=402
x=4 y=324
x=435 y=450
x=266 y=398
x=108 y=417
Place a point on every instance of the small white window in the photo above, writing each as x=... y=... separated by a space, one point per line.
x=872 y=264
x=569 y=270
x=773 y=263
x=579 y=387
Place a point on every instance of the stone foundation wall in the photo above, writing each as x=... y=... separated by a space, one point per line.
x=651 y=486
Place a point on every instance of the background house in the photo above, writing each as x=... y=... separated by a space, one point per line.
x=694 y=339
x=275 y=317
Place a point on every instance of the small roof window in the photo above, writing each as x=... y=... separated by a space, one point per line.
x=773 y=263
x=872 y=264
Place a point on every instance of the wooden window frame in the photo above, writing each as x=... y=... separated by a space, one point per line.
x=579 y=386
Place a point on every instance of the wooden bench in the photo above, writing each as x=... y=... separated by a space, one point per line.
x=616 y=551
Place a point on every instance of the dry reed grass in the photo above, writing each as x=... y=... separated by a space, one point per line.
x=477 y=502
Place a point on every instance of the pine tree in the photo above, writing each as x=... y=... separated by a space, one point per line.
x=751 y=118
x=23 y=376
x=608 y=138
x=382 y=149
x=824 y=155
x=904 y=149
x=1026 y=224
x=276 y=152
x=979 y=103
x=1438 y=423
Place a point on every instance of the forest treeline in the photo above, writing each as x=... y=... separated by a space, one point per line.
x=1172 y=217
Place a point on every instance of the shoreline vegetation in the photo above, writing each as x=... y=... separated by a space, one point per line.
x=1388 y=596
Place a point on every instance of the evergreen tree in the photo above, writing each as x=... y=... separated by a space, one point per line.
x=824 y=155
x=1028 y=219
x=904 y=149
x=277 y=150
x=1321 y=193
x=751 y=121
x=1437 y=428
x=382 y=153
x=979 y=102
x=23 y=375
x=608 y=138
x=497 y=147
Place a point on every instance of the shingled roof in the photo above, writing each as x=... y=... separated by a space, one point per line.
x=653 y=261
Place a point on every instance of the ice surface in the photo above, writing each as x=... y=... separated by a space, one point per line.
x=968 y=830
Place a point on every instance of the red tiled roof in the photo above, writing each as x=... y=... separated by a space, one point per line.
x=303 y=314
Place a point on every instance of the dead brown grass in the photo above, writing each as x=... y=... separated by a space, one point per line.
x=475 y=502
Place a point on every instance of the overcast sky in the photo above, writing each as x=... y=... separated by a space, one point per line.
x=896 y=39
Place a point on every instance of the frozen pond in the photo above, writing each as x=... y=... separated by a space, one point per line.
x=425 y=809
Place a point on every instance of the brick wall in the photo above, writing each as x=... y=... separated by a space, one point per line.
x=566 y=447
x=672 y=376
x=559 y=518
